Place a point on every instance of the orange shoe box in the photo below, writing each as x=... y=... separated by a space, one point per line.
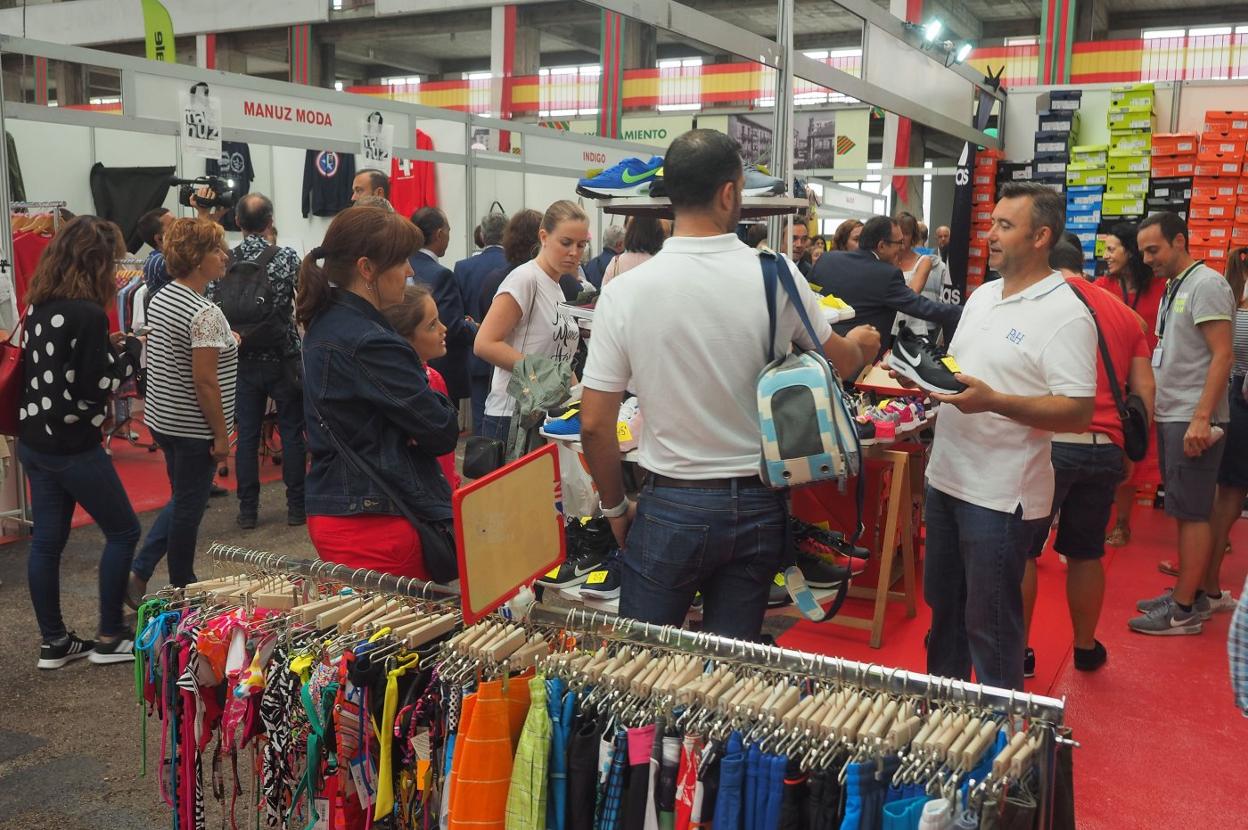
x=1170 y=167
x=1175 y=144
x=1207 y=187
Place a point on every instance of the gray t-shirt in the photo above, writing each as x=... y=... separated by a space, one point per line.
x=1202 y=296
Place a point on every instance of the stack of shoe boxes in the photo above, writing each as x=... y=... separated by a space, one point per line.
x=1058 y=124
x=1130 y=159
x=1216 y=210
x=1085 y=193
x=1174 y=162
x=983 y=201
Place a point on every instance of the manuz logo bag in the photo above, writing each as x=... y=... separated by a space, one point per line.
x=808 y=434
x=245 y=296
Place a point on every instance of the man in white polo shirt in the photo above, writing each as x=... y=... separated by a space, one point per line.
x=687 y=332
x=1026 y=347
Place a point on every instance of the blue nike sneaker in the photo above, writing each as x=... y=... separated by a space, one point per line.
x=631 y=177
x=563 y=427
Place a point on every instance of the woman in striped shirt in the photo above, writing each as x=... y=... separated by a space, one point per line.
x=192 y=363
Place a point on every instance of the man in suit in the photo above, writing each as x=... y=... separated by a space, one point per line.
x=870 y=281
x=612 y=246
x=461 y=330
x=470 y=273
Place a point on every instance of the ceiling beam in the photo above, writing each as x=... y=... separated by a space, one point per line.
x=956 y=17
x=673 y=16
x=1183 y=17
x=807 y=41
x=403 y=59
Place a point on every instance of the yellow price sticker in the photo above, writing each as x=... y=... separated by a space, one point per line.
x=951 y=364
x=779 y=580
x=623 y=432
x=553 y=573
x=597 y=577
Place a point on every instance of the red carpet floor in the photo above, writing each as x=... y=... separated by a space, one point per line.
x=1162 y=744
x=146 y=482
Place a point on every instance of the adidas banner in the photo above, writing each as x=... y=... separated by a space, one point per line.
x=960 y=222
x=960 y=227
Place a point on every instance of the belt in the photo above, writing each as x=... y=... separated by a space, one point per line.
x=1081 y=438
x=657 y=480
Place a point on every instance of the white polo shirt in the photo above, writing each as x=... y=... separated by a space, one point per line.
x=687 y=332
x=1040 y=341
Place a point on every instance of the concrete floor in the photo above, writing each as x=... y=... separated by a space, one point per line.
x=70 y=739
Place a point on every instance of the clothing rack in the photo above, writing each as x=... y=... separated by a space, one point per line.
x=867 y=675
x=361 y=578
x=1046 y=710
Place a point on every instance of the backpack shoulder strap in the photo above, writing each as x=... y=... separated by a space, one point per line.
x=267 y=256
x=767 y=260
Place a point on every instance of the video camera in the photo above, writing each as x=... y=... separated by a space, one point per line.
x=222 y=195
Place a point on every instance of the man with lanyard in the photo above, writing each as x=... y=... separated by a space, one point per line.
x=1027 y=346
x=705 y=521
x=1193 y=364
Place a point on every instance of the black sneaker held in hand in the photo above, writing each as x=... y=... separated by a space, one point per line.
x=915 y=357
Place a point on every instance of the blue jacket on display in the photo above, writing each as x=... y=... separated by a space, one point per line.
x=470 y=273
x=370 y=386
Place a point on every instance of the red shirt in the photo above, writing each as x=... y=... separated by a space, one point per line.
x=413 y=184
x=447 y=462
x=1147 y=306
x=1126 y=341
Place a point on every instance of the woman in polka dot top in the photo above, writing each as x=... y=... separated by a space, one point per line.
x=72 y=366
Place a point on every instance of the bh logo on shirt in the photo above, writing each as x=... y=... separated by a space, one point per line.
x=327 y=164
x=1015 y=336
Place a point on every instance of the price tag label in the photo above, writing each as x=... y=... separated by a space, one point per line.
x=597 y=578
x=377 y=142
x=623 y=432
x=200 y=134
x=951 y=364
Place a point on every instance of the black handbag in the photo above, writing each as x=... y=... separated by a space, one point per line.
x=1131 y=409
x=437 y=539
x=483 y=456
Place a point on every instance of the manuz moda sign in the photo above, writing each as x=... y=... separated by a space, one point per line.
x=297 y=115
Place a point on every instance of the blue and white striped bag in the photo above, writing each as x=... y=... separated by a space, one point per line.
x=808 y=432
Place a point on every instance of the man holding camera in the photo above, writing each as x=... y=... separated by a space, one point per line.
x=257 y=297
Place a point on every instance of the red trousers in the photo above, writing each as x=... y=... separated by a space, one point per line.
x=381 y=543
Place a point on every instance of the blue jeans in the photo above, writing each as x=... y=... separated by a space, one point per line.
x=972 y=581
x=726 y=543
x=495 y=426
x=58 y=483
x=175 y=533
x=259 y=380
x=480 y=391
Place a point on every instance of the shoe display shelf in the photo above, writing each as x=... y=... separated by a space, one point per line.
x=904 y=431
x=660 y=207
x=573 y=597
x=573 y=442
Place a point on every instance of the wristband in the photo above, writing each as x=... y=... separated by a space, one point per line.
x=615 y=512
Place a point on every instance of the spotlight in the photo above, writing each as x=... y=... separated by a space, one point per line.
x=964 y=52
x=932 y=30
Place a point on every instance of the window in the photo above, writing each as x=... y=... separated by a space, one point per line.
x=1206 y=31
x=1030 y=40
x=478 y=76
x=408 y=80
x=338 y=85
x=678 y=63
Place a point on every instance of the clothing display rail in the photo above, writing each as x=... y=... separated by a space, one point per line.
x=361 y=578
x=1000 y=718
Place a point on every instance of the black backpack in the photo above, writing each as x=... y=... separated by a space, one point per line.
x=245 y=296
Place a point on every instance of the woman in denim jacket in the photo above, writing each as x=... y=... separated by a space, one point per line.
x=364 y=382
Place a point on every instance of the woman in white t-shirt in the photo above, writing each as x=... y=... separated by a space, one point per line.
x=525 y=318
